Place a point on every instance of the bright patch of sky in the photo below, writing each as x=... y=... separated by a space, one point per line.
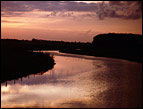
x=92 y=1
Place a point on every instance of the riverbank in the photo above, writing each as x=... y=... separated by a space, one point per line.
x=16 y=64
x=127 y=55
x=113 y=45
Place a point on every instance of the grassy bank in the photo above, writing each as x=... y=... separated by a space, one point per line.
x=19 y=63
x=127 y=55
x=121 y=46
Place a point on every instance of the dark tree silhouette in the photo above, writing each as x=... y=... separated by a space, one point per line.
x=126 y=46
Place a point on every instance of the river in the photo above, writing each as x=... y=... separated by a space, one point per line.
x=77 y=81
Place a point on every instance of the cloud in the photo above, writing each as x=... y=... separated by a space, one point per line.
x=60 y=8
x=113 y=9
x=62 y=13
x=120 y=9
x=6 y=21
x=22 y=6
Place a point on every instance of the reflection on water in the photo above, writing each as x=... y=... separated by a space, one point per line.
x=79 y=82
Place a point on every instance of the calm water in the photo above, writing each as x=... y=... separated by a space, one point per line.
x=80 y=82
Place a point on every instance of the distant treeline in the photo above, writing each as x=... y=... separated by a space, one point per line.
x=36 y=44
x=123 y=46
x=120 y=41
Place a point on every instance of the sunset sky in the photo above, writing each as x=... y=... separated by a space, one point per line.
x=69 y=20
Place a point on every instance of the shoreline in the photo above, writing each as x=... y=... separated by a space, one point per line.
x=89 y=53
x=21 y=64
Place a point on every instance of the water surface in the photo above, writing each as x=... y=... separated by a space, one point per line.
x=78 y=81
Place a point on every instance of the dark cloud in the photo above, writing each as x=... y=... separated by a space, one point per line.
x=23 y=6
x=113 y=9
x=18 y=6
x=120 y=9
x=57 y=8
x=115 y=3
x=62 y=13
